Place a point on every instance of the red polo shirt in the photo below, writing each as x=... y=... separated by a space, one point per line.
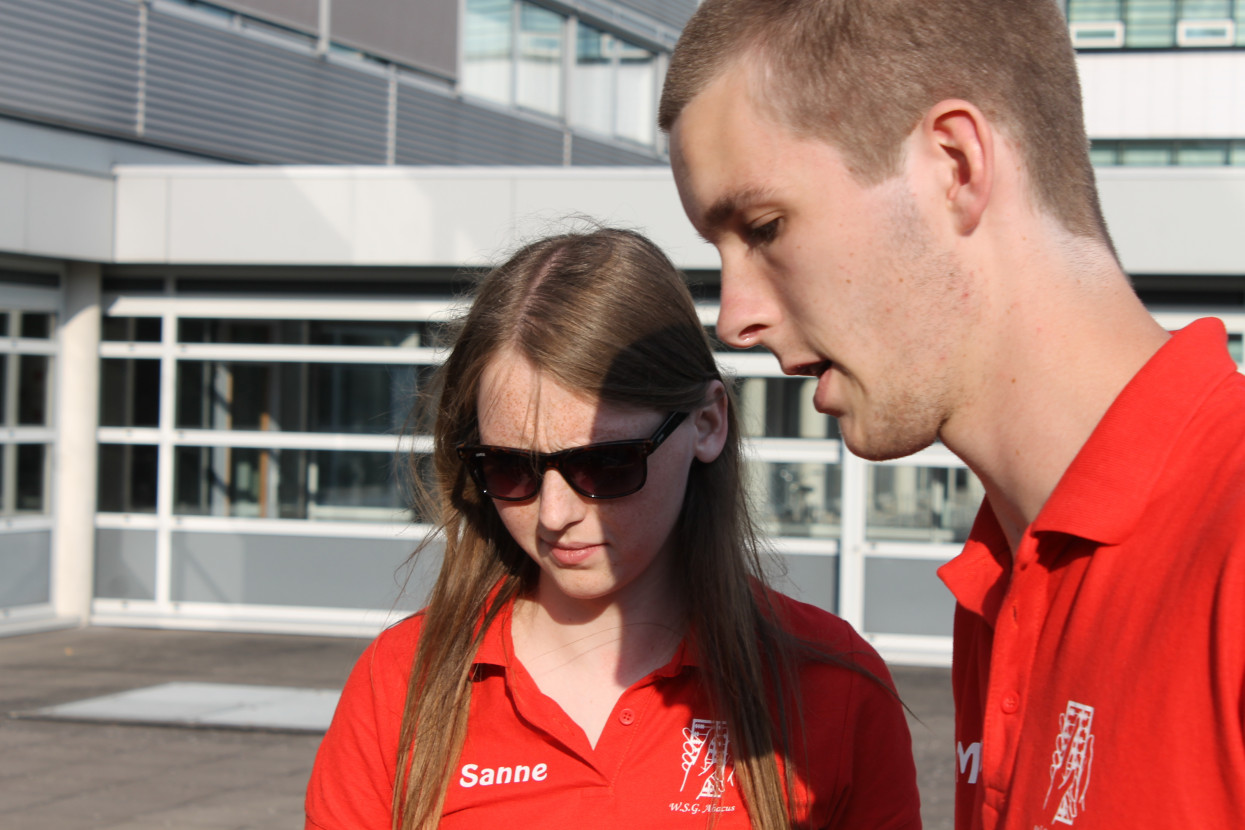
x=526 y=764
x=1099 y=680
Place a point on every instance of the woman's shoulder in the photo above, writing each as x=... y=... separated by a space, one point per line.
x=393 y=649
x=821 y=633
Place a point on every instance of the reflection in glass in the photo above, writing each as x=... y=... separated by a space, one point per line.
x=303 y=332
x=32 y=479
x=797 y=499
x=127 y=478
x=327 y=485
x=297 y=397
x=782 y=408
x=1150 y=23
x=637 y=90
x=487 y=49
x=33 y=386
x=131 y=329
x=592 y=90
x=921 y=504
x=1205 y=9
x=1146 y=153
x=35 y=325
x=539 y=84
x=1093 y=11
x=129 y=393
x=1202 y=153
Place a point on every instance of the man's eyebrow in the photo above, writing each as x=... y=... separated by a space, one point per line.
x=720 y=212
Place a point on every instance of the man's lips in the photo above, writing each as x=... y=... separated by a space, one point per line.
x=815 y=370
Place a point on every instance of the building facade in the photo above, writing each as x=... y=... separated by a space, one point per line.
x=230 y=233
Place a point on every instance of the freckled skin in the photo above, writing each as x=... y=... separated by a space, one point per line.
x=629 y=537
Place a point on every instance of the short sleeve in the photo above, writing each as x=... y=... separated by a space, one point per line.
x=351 y=786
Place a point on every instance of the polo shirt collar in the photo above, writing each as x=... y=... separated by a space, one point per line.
x=1105 y=490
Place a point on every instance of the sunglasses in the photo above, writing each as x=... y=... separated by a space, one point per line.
x=609 y=470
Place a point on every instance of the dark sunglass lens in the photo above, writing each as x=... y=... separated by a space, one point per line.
x=607 y=471
x=508 y=476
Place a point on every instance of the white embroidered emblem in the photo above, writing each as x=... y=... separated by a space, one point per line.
x=1071 y=762
x=704 y=745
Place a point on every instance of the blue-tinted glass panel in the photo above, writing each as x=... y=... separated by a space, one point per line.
x=1150 y=24
x=488 y=49
x=539 y=82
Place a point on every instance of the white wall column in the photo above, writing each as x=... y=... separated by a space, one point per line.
x=77 y=449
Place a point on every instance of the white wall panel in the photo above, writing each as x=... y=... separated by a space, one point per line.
x=55 y=213
x=1176 y=220
x=1163 y=94
x=383 y=216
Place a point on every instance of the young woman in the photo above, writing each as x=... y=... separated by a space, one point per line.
x=600 y=649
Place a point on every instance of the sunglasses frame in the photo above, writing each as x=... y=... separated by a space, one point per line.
x=541 y=462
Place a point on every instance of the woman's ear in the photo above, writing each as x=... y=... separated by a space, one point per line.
x=711 y=422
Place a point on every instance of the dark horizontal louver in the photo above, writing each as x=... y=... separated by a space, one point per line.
x=587 y=152
x=71 y=62
x=250 y=100
x=435 y=129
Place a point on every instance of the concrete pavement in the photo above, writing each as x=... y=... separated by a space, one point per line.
x=91 y=776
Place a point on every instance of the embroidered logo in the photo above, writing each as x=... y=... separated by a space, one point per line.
x=1071 y=762
x=707 y=757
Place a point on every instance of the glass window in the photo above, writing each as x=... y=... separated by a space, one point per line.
x=1093 y=11
x=131 y=329
x=1237 y=151
x=330 y=485
x=1150 y=23
x=1104 y=153
x=36 y=326
x=782 y=408
x=32 y=478
x=1205 y=9
x=1202 y=153
x=302 y=332
x=797 y=499
x=637 y=91
x=129 y=393
x=33 y=386
x=539 y=69
x=592 y=86
x=921 y=504
x=1236 y=348
x=488 y=49
x=127 y=479
x=4 y=323
x=1146 y=153
x=297 y=397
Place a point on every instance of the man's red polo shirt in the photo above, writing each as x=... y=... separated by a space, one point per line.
x=1099 y=681
x=526 y=764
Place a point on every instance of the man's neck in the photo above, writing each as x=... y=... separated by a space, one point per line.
x=1054 y=370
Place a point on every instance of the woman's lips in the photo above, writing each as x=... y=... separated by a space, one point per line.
x=569 y=555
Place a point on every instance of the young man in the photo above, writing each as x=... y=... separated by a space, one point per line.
x=901 y=194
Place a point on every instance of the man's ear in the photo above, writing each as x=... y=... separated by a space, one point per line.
x=959 y=142
x=711 y=423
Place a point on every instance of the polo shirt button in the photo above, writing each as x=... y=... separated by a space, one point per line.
x=1010 y=703
x=626 y=717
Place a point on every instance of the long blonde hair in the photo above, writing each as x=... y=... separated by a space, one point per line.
x=605 y=313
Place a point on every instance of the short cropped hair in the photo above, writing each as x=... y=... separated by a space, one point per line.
x=861 y=74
